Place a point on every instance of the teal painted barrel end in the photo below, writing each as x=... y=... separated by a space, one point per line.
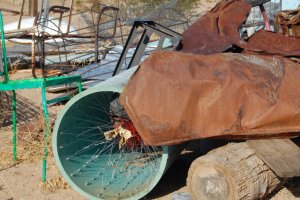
x=100 y=165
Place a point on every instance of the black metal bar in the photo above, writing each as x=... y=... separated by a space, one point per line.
x=160 y=43
x=21 y=14
x=161 y=29
x=257 y=2
x=150 y=27
x=126 y=48
x=10 y=11
x=156 y=30
x=265 y=16
x=140 y=48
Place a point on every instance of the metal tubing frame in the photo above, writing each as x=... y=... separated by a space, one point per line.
x=30 y=84
x=265 y=16
x=48 y=128
x=21 y=14
x=70 y=16
x=159 y=29
x=105 y=8
x=125 y=49
x=47 y=131
x=149 y=27
x=79 y=85
x=160 y=43
x=5 y=67
x=14 y=120
x=257 y=2
x=137 y=56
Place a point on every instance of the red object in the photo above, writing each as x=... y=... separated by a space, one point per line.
x=136 y=140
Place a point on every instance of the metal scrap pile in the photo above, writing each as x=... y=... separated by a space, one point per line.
x=218 y=85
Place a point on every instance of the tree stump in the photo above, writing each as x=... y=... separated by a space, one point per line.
x=231 y=172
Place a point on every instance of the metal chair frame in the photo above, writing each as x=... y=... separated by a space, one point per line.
x=42 y=83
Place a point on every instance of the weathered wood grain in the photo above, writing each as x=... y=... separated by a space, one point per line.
x=281 y=155
x=231 y=172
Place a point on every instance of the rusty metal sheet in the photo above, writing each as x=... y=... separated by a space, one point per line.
x=217 y=30
x=175 y=97
x=264 y=42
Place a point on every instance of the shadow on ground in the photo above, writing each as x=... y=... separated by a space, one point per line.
x=175 y=177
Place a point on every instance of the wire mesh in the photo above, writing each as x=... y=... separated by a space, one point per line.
x=68 y=40
x=30 y=127
x=63 y=46
x=102 y=163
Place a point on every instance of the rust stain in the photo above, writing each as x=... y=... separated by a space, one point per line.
x=202 y=92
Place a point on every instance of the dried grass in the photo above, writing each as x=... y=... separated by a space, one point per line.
x=55 y=184
x=30 y=144
x=6 y=161
x=30 y=147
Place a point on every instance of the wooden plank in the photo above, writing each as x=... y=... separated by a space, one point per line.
x=281 y=155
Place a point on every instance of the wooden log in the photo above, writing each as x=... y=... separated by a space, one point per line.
x=231 y=172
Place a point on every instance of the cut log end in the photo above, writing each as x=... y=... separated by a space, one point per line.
x=210 y=181
x=231 y=172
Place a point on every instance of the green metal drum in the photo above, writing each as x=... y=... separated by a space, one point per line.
x=94 y=160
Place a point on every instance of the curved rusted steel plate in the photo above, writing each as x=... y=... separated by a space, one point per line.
x=264 y=42
x=217 y=30
x=175 y=97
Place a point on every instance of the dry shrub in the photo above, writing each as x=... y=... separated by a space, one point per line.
x=30 y=148
x=6 y=161
x=30 y=141
x=55 y=184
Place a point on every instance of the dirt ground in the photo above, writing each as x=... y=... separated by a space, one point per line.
x=22 y=180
